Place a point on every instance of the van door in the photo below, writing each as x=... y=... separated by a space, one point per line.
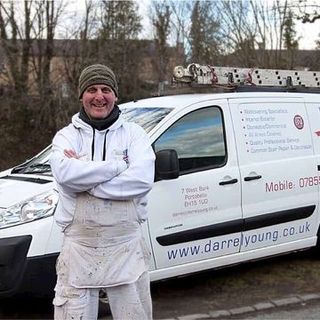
x=278 y=173
x=192 y=217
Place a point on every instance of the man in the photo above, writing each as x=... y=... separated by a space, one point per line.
x=104 y=167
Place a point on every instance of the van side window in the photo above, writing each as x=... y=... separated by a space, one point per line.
x=198 y=138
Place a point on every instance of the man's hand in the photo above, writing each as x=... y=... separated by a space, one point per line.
x=70 y=154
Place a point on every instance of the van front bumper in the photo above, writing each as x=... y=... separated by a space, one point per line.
x=13 y=258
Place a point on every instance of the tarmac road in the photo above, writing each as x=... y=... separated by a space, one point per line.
x=234 y=288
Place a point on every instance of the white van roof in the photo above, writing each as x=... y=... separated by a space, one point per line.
x=183 y=100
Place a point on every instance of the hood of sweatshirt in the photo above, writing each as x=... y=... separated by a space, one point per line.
x=80 y=124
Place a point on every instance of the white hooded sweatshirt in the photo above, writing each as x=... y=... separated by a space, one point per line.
x=126 y=173
x=102 y=203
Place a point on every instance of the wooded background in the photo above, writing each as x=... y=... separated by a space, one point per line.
x=243 y=33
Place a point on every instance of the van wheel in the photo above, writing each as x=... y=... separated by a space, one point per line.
x=104 y=308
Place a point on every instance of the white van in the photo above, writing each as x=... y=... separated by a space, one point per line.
x=237 y=179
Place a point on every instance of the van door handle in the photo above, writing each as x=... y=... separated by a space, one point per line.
x=231 y=181
x=252 y=178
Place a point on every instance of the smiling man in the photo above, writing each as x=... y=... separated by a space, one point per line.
x=98 y=90
x=104 y=167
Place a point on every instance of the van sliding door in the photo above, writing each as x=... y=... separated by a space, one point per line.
x=279 y=176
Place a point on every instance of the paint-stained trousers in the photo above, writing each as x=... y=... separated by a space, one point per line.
x=82 y=304
x=103 y=248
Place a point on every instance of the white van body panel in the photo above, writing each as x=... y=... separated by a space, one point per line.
x=274 y=145
x=220 y=262
x=25 y=190
x=40 y=231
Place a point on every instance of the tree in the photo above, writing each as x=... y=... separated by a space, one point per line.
x=161 y=24
x=179 y=20
x=239 y=30
x=46 y=16
x=27 y=36
x=290 y=43
x=118 y=45
x=308 y=12
x=253 y=31
x=204 y=34
x=28 y=44
x=17 y=53
x=120 y=20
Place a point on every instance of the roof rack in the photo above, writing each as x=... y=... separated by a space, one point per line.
x=245 y=79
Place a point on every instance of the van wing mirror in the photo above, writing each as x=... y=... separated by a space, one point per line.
x=167 y=165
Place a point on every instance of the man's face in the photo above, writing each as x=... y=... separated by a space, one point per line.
x=98 y=101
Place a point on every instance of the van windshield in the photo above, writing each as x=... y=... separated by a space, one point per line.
x=147 y=118
x=37 y=165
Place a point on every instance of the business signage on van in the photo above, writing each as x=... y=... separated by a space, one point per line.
x=266 y=131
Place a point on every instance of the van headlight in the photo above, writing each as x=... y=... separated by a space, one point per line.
x=40 y=206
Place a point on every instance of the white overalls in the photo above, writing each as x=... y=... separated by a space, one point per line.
x=100 y=248
x=101 y=207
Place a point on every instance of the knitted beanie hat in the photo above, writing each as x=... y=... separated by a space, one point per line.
x=97 y=74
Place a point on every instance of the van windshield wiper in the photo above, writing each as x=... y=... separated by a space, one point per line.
x=38 y=168
x=20 y=167
x=33 y=168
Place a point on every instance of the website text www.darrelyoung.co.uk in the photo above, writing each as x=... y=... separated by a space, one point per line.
x=245 y=241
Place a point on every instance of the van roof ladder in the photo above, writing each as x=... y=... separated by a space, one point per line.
x=232 y=77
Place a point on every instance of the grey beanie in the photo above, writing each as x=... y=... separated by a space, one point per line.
x=97 y=74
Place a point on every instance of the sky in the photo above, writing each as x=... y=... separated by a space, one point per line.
x=308 y=32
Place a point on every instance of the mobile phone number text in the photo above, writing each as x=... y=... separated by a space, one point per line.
x=282 y=185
